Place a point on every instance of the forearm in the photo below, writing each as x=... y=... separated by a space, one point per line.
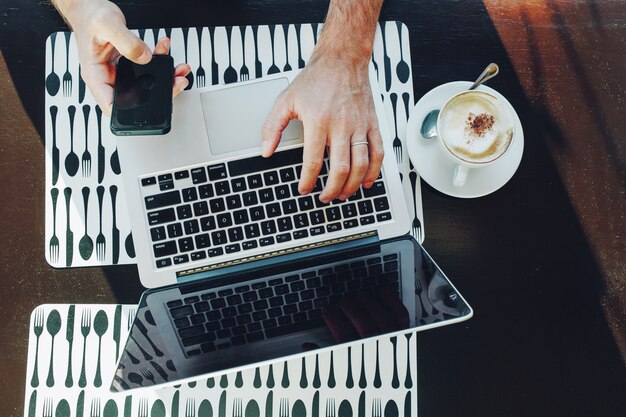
x=349 y=30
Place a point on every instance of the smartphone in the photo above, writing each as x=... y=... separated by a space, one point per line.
x=142 y=102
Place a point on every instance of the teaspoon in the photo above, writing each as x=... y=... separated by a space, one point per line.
x=429 y=125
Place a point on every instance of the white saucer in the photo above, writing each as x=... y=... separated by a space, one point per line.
x=437 y=170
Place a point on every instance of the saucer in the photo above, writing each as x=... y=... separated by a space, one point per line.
x=437 y=170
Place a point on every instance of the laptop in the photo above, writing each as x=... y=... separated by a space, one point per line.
x=208 y=212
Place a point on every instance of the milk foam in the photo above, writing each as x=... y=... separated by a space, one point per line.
x=470 y=140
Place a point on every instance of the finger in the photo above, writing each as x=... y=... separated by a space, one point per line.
x=339 y=167
x=126 y=42
x=376 y=155
x=312 y=156
x=276 y=122
x=359 y=161
x=180 y=83
x=100 y=80
x=182 y=70
x=162 y=47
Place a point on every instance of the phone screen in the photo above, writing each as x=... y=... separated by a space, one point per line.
x=143 y=96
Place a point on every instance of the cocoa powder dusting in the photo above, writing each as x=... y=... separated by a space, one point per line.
x=479 y=124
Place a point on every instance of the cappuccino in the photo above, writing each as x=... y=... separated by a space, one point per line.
x=475 y=127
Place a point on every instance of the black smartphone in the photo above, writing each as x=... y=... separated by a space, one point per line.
x=142 y=104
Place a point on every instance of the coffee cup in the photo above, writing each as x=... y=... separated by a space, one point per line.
x=474 y=129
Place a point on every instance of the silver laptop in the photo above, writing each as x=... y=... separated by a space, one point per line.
x=241 y=268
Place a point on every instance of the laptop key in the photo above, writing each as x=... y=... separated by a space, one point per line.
x=217 y=205
x=349 y=224
x=333 y=227
x=266 y=241
x=268 y=227
x=300 y=220
x=233 y=201
x=222 y=188
x=217 y=172
x=213 y=252
x=174 y=230
x=218 y=237
x=250 y=198
x=258 y=163
x=266 y=195
x=284 y=237
x=367 y=220
x=179 y=312
x=174 y=303
x=289 y=206
x=282 y=192
x=251 y=244
x=241 y=216
x=255 y=181
x=206 y=191
x=185 y=244
x=365 y=207
x=182 y=322
x=378 y=188
x=381 y=217
x=300 y=234
x=316 y=217
x=318 y=230
x=254 y=337
x=349 y=210
x=198 y=175
x=257 y=213
x=181 y=259
x=207 y=223
x=287 y=174
x=191 y=226
x=184 y=212
x=164 y=249
x=148 y=181
x=161 y=216
x=196 y=256
x=298 y=326
x=238 y=184
x=252 y=231
x=284 y=224
x=270 y=177
x=170 y=198
x=273 y=210
x=224 y=220
x=233 y=248
x=200 y=208
x=305 y=203
x=157 y=233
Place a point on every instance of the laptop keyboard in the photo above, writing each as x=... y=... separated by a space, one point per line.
x=212 y=210
x=263 y=309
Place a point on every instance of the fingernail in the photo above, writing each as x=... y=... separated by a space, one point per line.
x=342 y=197
x=367 y=185
x=146 y=56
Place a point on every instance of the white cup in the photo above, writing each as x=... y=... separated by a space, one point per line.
x=474 y=129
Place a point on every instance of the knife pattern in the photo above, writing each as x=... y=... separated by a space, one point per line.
x=58 y=129
x=218 y=399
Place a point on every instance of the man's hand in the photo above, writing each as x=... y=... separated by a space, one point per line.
x=333 y=100
x=102 y=37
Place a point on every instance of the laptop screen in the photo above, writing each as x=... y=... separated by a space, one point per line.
x=297 y=306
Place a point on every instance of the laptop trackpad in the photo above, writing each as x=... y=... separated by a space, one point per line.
x=234 y=116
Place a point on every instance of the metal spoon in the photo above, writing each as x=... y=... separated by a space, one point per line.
x=429 y=125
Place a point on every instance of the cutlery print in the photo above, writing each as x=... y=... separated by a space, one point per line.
x=117 y=324
x=101 y=156
x=86 y=156
x=175 y=403
x=136 y=379
x=395 y=382
x=402 y=69
x=189 y=76
x=300 y=60
x=315 y=405
x=100 y=240
x=270 y=377
x=377 y=410
x=81 y=86
x=69 y=235
x=128 y=405
x=69 y=336
x=285 y=381
x=67 y=77
x=331 y=373
x=330 y=407
x=239 y=380
x=407 y=405
x=377 y=382
x=80 y=404
x=252 y=409
x=287 y=65
x=386 y=59
x=256 y=383
x=85 y=328
x=416 y=225
x=361 y=407
x=110 y=409
x=52 y=80
x=349 y=379
x=129 y=245
x=273 y=68
x=54 y=110
x=159 y=370
x=345 y=409
x=269 y=404
x=115 y=162
x=244 y=73
x=214 y=66
x=147 y=374
x=210 y=383
x=63 y=408
x=115 y=233
x=397 y=144
x=405 y=98
x=47 y=407
x=53 y=325
x=303 y=381
x=221 y=407
x=190 y=407
x=315 y=27
x=408 y=381
x=145 y=354
x=391 y=409
x=362 y=378
x=142 y=328
x=224 y=381
x=205 y=409
x=38 y=330
x=237 y=408
x=32 y=404
x=316 y=375
x=230 y=75
x=258 y=67
x=283 y=407
x=71 y=160
x=100 y=326
x=85 y=245
x=54 y=240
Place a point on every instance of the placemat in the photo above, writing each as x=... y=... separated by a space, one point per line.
x=72 y=352
x=85 y=202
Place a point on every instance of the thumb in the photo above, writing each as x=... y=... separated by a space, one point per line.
x=127 y=43
x=278 y=119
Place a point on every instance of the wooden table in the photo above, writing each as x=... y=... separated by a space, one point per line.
x=542 y=261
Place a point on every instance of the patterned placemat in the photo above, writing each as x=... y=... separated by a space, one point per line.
x=86 y=220
x=72 y=353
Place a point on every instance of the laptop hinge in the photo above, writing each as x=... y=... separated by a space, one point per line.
x=269 y=255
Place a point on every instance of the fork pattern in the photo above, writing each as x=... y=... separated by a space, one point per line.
x=244 y=399
x=207 y=51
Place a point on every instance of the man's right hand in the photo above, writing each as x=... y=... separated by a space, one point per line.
x=102 y=37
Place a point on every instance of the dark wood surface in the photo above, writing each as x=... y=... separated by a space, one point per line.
x=542 y=261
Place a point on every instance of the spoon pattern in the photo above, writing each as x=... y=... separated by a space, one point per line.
x=53 y=325
x=85 y=245
x=53 y=82
x=100 y=326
